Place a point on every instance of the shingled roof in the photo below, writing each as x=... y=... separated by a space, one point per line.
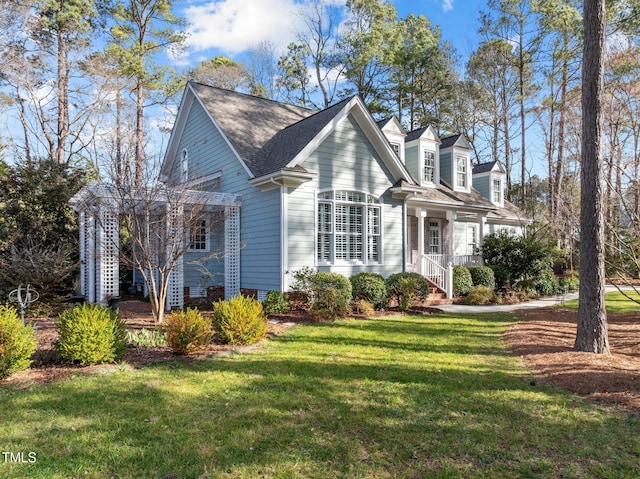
x=247 y=121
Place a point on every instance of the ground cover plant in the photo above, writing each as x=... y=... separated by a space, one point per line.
x=403 y=396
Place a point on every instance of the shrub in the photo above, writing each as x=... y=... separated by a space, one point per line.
x=482 y=276
x=363 y=307
x=302 y=284
x=546 y=282
x=91 y=334
x=461 y=281
x=369 y=287
x=502 y=276
x=17 y=342
x=331 y=294
x=240 y=320
x=407 y=288
x=526 y=289
x=187 y=331
x=276 y=303
x=479 y=295
x=146 y=338
x=568 y=285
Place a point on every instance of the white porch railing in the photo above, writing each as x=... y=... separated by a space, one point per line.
x=438 y=268
x=438 y=272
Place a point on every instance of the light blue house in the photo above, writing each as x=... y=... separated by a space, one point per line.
x=332 y=190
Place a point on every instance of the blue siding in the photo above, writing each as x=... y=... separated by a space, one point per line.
x=412 y=161
x=446 y=173
x=345 y=160
x=260 y=212
x=483 y=185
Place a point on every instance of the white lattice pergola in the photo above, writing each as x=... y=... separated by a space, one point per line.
x=99 y=207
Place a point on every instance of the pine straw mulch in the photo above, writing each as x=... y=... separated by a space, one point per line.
x=544 y=341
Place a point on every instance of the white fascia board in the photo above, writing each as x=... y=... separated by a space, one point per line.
x=370 y=129
x=282 y=178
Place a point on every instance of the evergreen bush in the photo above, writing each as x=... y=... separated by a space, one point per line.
x=276 y=303
x=407 y=288
x=462 y=282
x=546 y=282
x=91 y=334
x=331 y=294
x=370 y=287
x=240 y=320
x=17 y=342
x=186 y=331
x=482 y=276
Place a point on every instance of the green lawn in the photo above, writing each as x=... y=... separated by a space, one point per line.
x=412 y=397
x=615 y=302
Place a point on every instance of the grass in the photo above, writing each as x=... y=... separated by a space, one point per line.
x=399 y=397
x=615 y=302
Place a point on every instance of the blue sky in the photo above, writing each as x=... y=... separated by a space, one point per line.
x=228 y=27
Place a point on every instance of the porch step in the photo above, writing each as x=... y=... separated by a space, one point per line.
x=437 y=297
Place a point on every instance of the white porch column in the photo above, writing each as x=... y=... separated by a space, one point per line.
x=232 y=252
x=482 y=229
x=451 y=218
x=421 y=214
x=175 y=236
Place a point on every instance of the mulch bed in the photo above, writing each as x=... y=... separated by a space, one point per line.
x=545 y=343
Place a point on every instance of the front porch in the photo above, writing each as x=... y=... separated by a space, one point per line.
x=439 y=240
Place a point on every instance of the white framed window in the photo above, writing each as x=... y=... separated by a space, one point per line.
x=496 y=191
x=199 y=236
x=429 y=160
x=349 y=226
x=435 y=239
x=461 y=171
x=472 y=239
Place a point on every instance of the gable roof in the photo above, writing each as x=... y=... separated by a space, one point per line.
x=455 y=140
x=420 y=133
x=268 y=136
x=486 y=167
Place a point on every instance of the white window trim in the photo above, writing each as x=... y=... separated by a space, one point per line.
x=424 y=166
x=184 y=166
x=500 y=201
x=207 y=237
x=365 y=229
x=466 y=172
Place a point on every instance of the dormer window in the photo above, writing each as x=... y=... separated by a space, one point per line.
x=496 y=191
x=461 y=172
x=429 y=157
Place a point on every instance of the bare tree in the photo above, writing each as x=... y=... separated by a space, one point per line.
x=592 y=335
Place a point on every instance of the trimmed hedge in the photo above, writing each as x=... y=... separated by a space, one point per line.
x=369 y=287
x=462 y=282
x=17 y=342
x=91 y=334
x=482 y=276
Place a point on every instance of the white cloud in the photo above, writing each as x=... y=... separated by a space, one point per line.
x=447 y=5
x=234 y=25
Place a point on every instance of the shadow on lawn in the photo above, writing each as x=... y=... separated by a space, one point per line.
x=330 y=408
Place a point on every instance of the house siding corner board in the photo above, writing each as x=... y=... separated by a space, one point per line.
x=344 y=161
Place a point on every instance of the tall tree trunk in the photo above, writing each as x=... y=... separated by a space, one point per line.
x=139 y=151
x=592 y=335
x=558 y=177
x=63 y=98
x=523 y=143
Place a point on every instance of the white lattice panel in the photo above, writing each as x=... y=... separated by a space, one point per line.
x=175 y=290
x=107 y=267
x=232 y=252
